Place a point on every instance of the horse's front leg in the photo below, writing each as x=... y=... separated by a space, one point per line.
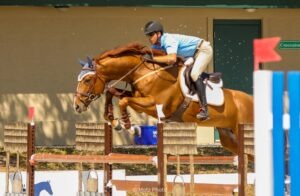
x=110 y=93
x=139 y=104
x=108 y=108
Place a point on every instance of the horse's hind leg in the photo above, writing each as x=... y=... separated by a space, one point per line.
x=228 y=140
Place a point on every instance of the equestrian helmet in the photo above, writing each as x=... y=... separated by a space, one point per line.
x=153 y=26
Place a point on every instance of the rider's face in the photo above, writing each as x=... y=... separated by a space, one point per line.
x=153 y=37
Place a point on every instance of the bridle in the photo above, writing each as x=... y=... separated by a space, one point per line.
x=90 y=95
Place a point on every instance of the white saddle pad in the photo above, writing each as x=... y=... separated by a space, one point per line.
x=214 y=95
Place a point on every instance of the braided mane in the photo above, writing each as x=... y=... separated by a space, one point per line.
x=131 y=48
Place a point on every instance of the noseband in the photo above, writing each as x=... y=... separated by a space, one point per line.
x=90 y=95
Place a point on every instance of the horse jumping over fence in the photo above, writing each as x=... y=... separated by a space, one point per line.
x=153 y=84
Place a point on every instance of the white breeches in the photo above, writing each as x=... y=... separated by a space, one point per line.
x=202 y=59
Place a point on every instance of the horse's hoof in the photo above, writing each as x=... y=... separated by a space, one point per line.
x=134 y=130
x=117 y=126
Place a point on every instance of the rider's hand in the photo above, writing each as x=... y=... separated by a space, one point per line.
x=147 y=57
x=189 y=61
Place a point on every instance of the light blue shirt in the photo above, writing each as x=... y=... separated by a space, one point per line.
x=182 y=45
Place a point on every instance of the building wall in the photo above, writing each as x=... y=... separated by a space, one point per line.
x=40 y=48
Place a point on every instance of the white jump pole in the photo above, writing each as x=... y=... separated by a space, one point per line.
x=263 y=133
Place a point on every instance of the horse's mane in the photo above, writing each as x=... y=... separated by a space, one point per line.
x=131 y=48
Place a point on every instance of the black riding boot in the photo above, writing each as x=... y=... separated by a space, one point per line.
x=200 y=87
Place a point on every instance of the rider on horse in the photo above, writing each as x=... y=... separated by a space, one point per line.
x=184 y=46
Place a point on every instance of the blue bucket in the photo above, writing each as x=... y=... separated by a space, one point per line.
x=149 y=135
x=138 y=140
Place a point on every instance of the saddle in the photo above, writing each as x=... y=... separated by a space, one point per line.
x=212 y=77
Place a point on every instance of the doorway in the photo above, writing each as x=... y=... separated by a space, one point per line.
x=233 y=52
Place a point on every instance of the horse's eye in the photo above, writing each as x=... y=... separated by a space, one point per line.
x=87 y=80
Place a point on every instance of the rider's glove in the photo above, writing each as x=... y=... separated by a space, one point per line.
x=189 y=61
x=147 y=57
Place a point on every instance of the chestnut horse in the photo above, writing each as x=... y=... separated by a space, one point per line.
x=153 y=84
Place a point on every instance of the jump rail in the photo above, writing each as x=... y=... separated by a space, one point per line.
x=110 y=159
x=113 y=158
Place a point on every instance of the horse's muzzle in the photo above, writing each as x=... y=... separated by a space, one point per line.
x=77 y=108
x=80 y=108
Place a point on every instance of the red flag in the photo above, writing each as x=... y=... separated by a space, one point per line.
x=31 y=113
x=264 y=51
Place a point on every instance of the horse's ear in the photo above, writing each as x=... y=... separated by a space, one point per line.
x=90 y=61
x=81 y=62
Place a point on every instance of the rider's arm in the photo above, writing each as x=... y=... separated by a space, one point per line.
x=169 y=59
x=170 y=45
